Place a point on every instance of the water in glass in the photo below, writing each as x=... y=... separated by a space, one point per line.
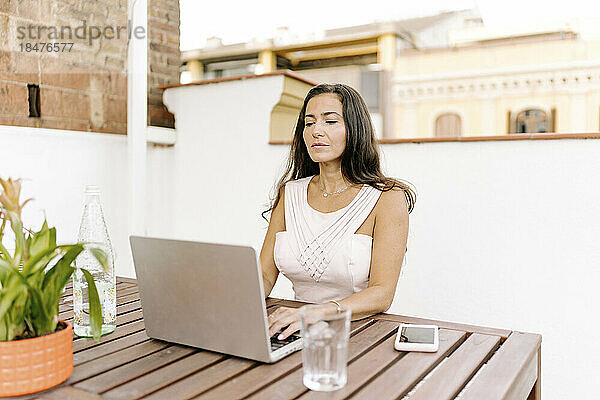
x=325 y=349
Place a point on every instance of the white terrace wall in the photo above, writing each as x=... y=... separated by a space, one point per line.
x=55 y=166
x=504 y=234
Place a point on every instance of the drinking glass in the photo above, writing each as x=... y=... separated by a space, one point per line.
x=325 y=348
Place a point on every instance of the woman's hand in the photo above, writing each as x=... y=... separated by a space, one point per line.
x=290 y=317
x=281 y=318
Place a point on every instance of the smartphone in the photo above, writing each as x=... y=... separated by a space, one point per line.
x=417 y=338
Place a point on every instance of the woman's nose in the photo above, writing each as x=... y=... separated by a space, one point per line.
x=318 y=131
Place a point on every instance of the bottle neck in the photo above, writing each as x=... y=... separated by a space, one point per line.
x=92 y=198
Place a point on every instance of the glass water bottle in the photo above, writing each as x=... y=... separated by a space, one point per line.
x=94 y=233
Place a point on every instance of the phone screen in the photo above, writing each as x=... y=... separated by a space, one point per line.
x=417 y=335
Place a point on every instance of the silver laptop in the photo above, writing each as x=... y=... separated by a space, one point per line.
x=206 y=295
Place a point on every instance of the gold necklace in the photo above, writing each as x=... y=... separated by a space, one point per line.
x=325 y=194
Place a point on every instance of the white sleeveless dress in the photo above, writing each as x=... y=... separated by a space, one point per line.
x=319 y=252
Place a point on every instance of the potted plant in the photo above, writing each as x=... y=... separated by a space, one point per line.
x=36 y=347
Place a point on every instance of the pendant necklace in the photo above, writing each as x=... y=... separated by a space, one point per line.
x=325 y=194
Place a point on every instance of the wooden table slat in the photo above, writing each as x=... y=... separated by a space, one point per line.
x=120 y=300
x=164 y=376
x=362 y=370
x=403 y=375
x=127 y=364
x=203 y=380
x=68 y=393
x=503 y=333
x=129 y=316
x=448 y=380
x=114 y=360
x=291 y=386
x=123 y=289
x=128 y=284
x=256 y=378
x=109 y=347
x=80 y=344
x=128 y=298
x=511 y=372
x=119 y=284
x=124 y=373
x=121 y=309
x=125 y=279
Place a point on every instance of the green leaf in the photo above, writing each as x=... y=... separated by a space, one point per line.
x=6 y=267
x=95 y=307
x=52 y=240
x=40 y=241
x=65 y=261
x=4 y=253
x=12 y=291
x=17 y=228
x=2 y=228
x=102 y=257
x=38 y=261
x=38 y=310
x=57 y=277
x=4 y=336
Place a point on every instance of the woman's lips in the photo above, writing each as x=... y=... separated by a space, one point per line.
x=319 y=146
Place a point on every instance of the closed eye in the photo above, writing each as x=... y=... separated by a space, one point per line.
x=312 y=123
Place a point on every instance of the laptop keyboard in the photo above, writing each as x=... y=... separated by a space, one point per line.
x=277 y=344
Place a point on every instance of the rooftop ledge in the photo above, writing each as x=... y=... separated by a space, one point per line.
x=285 y=113
x=279 y=98
x=284 y=72
x=533 y=136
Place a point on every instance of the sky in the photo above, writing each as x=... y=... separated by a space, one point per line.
x=240 y=21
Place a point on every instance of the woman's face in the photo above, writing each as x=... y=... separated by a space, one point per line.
x=324 y=129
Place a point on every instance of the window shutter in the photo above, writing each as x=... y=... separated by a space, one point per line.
x=508 y=122
x=553 y=122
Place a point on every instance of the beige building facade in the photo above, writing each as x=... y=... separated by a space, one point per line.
x=446 y=75
x=490 y=87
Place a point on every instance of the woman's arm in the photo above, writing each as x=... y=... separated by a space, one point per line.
x=267 y=261
x=390 y=234
x=389 y=246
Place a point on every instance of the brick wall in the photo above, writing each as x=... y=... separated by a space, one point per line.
x=163 y=57
x=84 y=89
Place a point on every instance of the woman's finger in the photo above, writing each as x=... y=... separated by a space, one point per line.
x=279 y=323
x=278 y=314
x=282 y=320
x=293 y=327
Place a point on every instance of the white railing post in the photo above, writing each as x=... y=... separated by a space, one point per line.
x=137 y=93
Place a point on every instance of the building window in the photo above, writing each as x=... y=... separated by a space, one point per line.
x=448 y=125
x=532 y=121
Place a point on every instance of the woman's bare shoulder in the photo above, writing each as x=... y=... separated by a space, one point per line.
x=392 y=204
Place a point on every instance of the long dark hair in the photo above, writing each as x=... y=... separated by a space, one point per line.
x=360 y=159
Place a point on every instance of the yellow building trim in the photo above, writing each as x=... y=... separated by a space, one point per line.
x=386 y=54
x=196 y=70
x=297 y=57
x=268 y=60
x=284 y=114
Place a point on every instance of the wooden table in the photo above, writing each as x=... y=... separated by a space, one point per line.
x=473 y=363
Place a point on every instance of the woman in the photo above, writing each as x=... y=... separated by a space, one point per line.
x=338 y=226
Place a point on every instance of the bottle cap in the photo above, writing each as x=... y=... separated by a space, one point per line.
x=92 y=189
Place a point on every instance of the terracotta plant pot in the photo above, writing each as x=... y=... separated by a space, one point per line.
x=31 y=365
